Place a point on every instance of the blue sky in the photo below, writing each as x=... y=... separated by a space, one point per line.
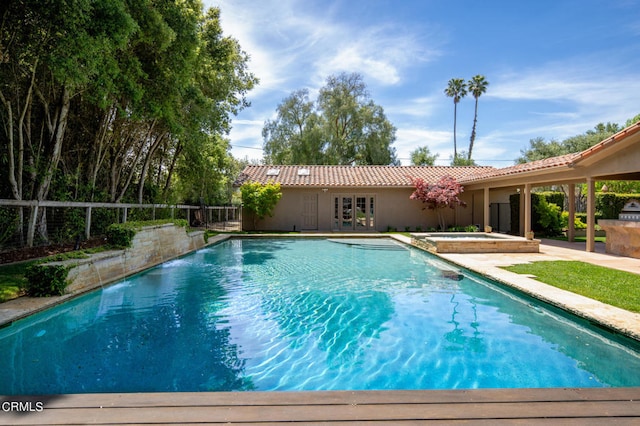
x=556 y=68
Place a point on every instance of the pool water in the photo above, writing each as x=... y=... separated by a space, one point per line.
x=288 y=314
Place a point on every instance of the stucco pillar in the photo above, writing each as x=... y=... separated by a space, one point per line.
x=486 y=210
x=591 y=214
x=571 y=230
x=527 y=207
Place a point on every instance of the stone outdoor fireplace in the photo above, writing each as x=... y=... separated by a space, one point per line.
x=623 y=235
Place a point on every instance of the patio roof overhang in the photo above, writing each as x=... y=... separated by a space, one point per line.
x=615 y=158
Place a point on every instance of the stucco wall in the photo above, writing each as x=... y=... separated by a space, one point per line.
x=393 y=208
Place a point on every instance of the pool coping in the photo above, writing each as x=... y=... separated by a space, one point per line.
x=485 y=264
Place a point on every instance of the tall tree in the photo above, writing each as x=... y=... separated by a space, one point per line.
x=51 y=54
x=344 y=126
x=422 y=157
x=456 y=89
x=109 y=100
x=295 y=136
x=476 y=86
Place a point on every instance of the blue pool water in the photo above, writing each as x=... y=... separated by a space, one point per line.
x=290 y=314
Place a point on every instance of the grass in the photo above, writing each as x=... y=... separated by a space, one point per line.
x=579 y=239
x=610 y=286
x=12 y=279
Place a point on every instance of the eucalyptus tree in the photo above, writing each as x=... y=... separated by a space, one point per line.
x=98 y=99
x=344 y=126
x=295 y=136
x=51 y=53
x=456 y=89
x=476 y=87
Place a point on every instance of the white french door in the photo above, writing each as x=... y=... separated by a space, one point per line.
x=354 y=212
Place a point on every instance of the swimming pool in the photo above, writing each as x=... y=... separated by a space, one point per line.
x=312 y=314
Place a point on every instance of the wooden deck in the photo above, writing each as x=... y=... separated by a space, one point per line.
x=503 y=406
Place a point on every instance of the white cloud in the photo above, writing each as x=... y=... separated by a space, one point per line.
x=585 y=84
x=410 y=138
x=380 y=53
x=416 y=107
x=285 y=37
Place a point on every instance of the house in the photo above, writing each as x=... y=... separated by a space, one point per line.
x=357 y=198
x=376 y=198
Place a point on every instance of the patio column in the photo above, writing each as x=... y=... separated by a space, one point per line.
x=486 y=211
x=572 y=212
x=527 y=207
x=591 y=214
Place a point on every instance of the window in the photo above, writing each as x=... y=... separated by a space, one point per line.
x=353 y=212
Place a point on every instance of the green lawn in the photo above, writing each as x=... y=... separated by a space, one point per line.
x=580 y=239
x=12 y=279
x=610 y=286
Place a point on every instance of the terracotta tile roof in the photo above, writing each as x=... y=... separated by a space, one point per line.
x=547 y=163
x=611 y=140
x=400 y=176
x=556 y=162
x=346 y=176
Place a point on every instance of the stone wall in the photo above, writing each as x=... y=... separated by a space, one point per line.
x=623 y=237
x=151 y=246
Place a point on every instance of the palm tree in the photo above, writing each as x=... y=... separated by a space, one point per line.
x=456 y=89
x=477 y=86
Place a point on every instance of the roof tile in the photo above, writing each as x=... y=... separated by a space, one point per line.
x=365 y=176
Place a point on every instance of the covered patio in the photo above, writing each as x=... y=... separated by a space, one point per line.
x=615 y=158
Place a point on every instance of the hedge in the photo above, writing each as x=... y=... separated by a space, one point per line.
x=545 y=218
x=610 y=204
x=46 y=280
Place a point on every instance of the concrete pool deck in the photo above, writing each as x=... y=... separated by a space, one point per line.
x=486 y=264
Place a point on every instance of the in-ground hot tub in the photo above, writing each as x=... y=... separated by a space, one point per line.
x=473 y=242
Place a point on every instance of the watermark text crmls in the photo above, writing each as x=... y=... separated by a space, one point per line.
x=21 y=406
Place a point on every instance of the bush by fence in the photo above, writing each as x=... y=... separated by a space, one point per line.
x=32 y=223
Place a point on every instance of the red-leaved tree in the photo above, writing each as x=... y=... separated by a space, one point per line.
x=438 y=196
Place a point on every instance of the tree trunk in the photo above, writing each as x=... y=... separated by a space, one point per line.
x=147 y=163
x=100 y=147
x=174 y=160
x=455 y=117
x=56 y=126
x=473 y=130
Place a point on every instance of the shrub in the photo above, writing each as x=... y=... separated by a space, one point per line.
x=46 y=280
x=583 y=217
x=549 y=217
x=554 y=197
x=610 y=204
x=546 y=217
x=120 y=235
x=260 y=199
x=9 y=223
x=577 y=223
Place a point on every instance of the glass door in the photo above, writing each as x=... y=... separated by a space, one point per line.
x=353 y=212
